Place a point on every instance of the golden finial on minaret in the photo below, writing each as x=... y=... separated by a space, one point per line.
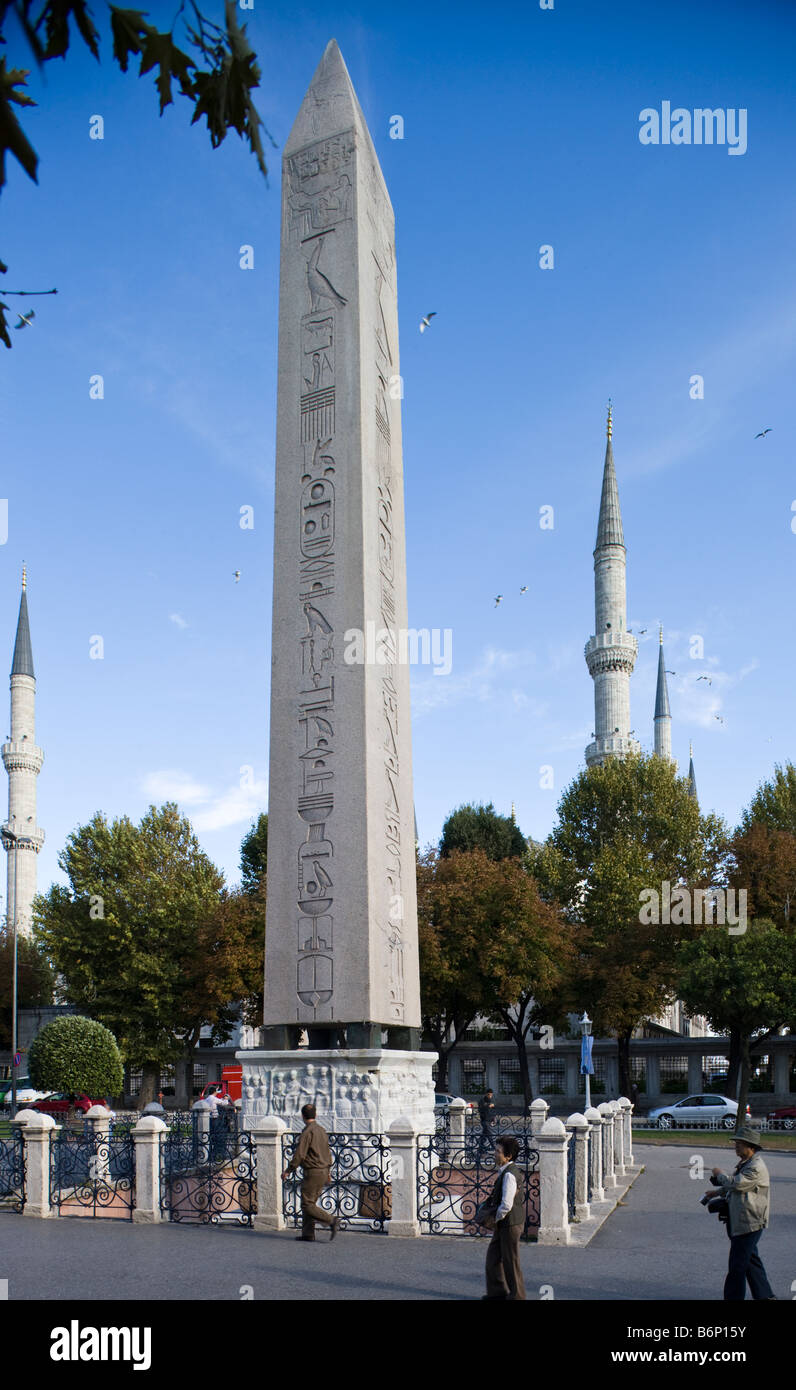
x=513 y=814
x=660 y=634
x=690 y=750
x=24 y=577
x=609 y=426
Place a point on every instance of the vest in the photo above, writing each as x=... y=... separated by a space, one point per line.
x=516 y=1216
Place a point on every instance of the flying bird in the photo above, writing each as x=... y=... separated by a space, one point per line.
x=426 y=322
x=671 y=673
x=641 y=631
x=718 y=716
x=237 y=576
x=524 y=589
x=25 y=319
x=705 y=678
x=763 y=433
x=498 y=600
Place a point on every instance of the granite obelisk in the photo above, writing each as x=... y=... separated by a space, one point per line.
x=341 y=956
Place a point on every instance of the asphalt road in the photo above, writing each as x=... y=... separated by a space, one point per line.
x=660 y=1245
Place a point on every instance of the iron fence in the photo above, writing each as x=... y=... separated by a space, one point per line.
x=12 y=1170
x=91 y=1174
x=208 y=1175
x=453 y=1180
x=358 y=1192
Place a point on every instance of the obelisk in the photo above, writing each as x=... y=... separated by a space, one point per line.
x=341 y=954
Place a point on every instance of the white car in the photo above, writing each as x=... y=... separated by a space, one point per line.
x=442 y=1104
x=707 y=1109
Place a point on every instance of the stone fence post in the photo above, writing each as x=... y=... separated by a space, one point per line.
x=457 y=1111
x=539 y=1109
x=553 y=1142
x=37 y=1134
x=403 y=1134
x=607 y=1119
x=99 y=1127
x=596 y=1154
x=200 y=1119
x=579 y=1127
x=147 y=1141
x=619 y=1138
x=626 y=1107
x=268 y=1144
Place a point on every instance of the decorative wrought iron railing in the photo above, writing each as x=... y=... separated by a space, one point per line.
x=92 y=1175
x=358 y=1191
x=12 y=1170
x=208 y=1175
x=453 y=1181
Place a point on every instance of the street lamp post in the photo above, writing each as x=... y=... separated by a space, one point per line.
x=585 y=1060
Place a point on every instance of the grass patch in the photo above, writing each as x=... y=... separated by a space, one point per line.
x=711 y=1139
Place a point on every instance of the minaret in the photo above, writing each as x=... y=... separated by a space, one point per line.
x=611 y=653
x=692 y=787
x=22 y=761
x=663 y=714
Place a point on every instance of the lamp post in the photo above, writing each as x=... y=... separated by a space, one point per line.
x=585 y=1055
x=16 y=840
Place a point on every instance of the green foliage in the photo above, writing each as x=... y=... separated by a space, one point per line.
x=34 y=980
x=743 y=983
x=217 y=75
x=774 y=802
x=76 y=1054
x=480 y=827
x=254 y=856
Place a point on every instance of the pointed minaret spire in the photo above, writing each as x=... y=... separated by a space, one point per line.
x=692 y=786
x=663 y=714
x=611 y=653
x=22 y=760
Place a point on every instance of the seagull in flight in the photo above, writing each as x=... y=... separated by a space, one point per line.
x=641 y=631
x=524 y=589
x=25 y=319
x=498 y=600
x=237 y=576
x=426 y=322
x=763 y=433
x=705 y=678
x=718 y=716
x=671 y=673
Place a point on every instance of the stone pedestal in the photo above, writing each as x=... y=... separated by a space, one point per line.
x=355 y=1091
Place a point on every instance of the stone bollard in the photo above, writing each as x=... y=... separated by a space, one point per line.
x=457 y=1111
x=37 y=1133
x=147 y=1141
x=626 y=1106
x=579 y=1127
x=200 y=1118
x=539 y=1109
x=403 y=1134
x=619 y=1138
x=596 y=1154
x=607 y=1118
x=553 y=1142
x=99 y=1127
x=268 y=1143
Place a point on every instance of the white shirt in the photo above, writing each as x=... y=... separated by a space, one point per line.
x=212 y=1101
x=507 y=1194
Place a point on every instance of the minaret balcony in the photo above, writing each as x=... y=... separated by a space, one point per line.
x=20 y=755
x=30 y=839
x=611 y=746
x=614 y=650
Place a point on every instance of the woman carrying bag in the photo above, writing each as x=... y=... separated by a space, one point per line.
x=506 y=1207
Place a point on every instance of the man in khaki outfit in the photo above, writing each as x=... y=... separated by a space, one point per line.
x=747 y=1190
x=315 y=1157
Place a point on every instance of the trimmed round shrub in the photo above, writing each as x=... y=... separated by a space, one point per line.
x=76 y=1054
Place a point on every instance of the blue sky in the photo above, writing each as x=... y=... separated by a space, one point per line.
x=521 y=129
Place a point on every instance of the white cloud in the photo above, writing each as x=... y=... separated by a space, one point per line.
x=210 y=811
x=177 y=619
x=175 y=786
x=483 y=682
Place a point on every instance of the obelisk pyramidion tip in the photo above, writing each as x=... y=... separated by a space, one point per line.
x=330 y=104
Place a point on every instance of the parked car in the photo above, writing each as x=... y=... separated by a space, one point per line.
x=784 y=1118
x=26 y=1093
x=442 y=1104
x=62 y=1102
x=708 y=1108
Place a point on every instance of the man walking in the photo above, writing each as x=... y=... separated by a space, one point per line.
x=315 y=1157
x=486 y=1114
x=503 y=1272
x=748 y=1199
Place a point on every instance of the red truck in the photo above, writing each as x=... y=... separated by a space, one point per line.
x=231 y=1083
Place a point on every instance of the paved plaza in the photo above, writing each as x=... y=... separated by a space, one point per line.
x=659 y=1245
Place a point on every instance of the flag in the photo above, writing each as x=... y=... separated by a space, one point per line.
x=586 y=1043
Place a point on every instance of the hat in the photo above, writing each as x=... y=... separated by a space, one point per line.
x=750 y=1136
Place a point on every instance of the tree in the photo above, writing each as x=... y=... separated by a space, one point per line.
x=510 y=950
x=144 y=937
x=744 y=984
x=624 y=830
x=34 y=980
x=254 y=855
x=774 y=802
x=446 y=941
x=480 y=827
x=217 y=72
x=76 y=1054
x=765 y=868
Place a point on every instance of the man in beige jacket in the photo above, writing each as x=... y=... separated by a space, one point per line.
x=747 y=1191
x=315 y=1157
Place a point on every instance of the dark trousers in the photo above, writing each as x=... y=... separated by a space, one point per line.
x=503 y=1273
x=312 y=1185
x=485 y=1136
x=746 y=1266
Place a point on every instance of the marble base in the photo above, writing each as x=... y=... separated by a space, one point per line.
x=355 y=1090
